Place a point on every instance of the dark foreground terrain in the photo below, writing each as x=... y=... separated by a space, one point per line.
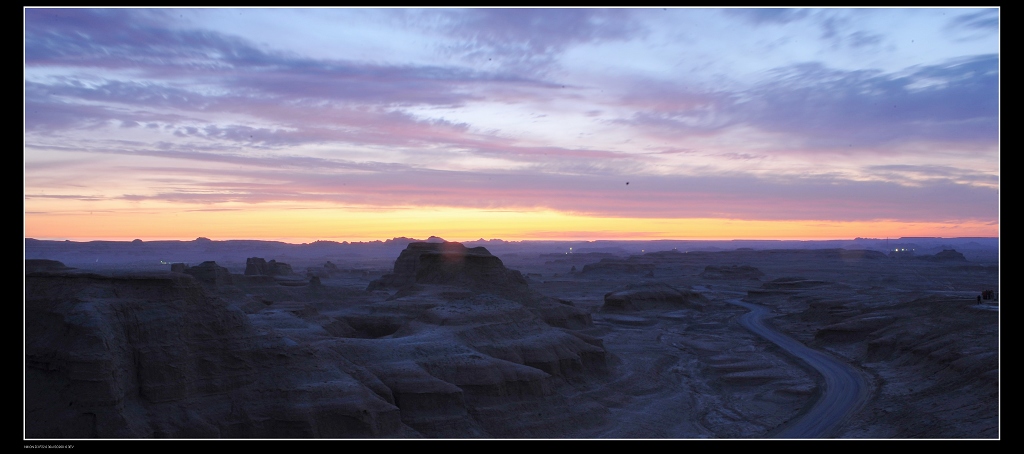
x=440 y=340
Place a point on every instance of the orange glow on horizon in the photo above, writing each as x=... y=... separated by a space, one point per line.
x=301 y=225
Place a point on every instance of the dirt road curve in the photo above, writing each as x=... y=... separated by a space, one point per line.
x=845 y=390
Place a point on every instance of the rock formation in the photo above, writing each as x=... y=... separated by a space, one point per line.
x=275 y=268
x=210 y=273
x=947 y=255
x=153 y=356
x=475 y=270
x=509 y=344
x=43 y=265
x=459 y=351
x=255 y=266
x=449 y=351
x=450 y=263
x=323 y=272
x=652 y=295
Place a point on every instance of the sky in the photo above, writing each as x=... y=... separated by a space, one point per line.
x=520 y=124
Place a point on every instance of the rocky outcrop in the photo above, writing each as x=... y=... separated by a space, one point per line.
x=474 y=270
x=453 y=264
x=457 y=361
x=151 y=356
x=255 y=266
x=210 y=272
x=507 y=344
x=43 y=265
x=275 y=268
x=947 y=255
x=327 y=270
x=652 y=295
x=935 y=352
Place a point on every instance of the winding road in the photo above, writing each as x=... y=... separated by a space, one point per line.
x=845 y=389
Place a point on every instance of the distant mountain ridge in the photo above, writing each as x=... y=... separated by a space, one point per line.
x=227 y=252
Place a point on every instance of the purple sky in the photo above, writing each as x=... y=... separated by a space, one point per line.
x=832 y=115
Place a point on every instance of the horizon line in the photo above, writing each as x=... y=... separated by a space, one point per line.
x=302 y=241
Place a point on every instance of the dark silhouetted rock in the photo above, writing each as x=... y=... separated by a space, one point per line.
x=210 y=272
x=450 y=264
x=652 y=295
x=255 y=266
x=178 y=267
x=37 y=265
x=325 y=271
x=947 y=255
x=275 y=268
x=477 y=271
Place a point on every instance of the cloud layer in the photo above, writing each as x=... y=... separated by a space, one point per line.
x=842 y=118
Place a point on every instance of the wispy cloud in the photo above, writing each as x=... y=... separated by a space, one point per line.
x=761 y=16
x=521 y=109
x=529 y=40
x=985 y=20
x=955 y=101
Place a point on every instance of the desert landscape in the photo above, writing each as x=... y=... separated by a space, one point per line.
x=511 y=223
x=424 y=338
